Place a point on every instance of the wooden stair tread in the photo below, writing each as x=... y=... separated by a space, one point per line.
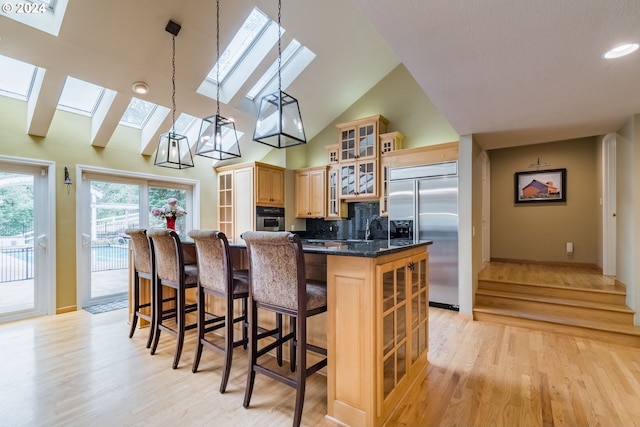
x=555 y=300
x=560 y=319
x=612 y=289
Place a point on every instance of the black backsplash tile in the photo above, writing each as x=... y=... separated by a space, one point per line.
x=354 y=226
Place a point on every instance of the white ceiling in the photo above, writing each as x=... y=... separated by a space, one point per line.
x=510 y=72
x=515 y=72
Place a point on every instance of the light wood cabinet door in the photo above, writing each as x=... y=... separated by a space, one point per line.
x=359 y=180
x=269 y=186
x=358 y=140
x=336 y=208
x=402 y=314
x=311 y=193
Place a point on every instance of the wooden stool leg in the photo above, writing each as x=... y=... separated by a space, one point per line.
x=181 y=317
x=253 y=351
x=136 y=303
x=201 y=327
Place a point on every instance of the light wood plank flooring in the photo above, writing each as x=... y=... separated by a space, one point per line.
x=78 y=369
x=569 y=276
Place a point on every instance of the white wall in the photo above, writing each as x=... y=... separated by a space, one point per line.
x=628 y=211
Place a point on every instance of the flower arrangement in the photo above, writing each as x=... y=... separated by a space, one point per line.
x=169 y=209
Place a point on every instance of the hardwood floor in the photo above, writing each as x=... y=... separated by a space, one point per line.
x=81 y=369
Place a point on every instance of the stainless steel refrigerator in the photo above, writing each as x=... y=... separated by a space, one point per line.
x=423 y=205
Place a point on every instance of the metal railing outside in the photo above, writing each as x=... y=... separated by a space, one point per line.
x=17 y=264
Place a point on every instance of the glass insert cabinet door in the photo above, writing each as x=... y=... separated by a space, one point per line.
x=403 y=286
x=366 y=141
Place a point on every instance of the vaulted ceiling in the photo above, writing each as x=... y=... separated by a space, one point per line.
x=509 y=72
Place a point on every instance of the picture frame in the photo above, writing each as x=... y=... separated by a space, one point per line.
x=541 y=186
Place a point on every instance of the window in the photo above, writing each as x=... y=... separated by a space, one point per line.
x=16 y=78
x=80 y=97
x=251 y=30
x=137 y=113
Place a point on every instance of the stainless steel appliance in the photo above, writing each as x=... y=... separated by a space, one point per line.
x=423 y=205
x=269 y=219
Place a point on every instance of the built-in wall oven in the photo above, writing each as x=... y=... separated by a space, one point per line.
x=269 y=218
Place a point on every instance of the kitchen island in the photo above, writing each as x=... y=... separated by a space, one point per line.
x=376 y=325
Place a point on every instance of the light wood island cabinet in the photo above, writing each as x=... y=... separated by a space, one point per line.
x=311 y=192
x=377 y=333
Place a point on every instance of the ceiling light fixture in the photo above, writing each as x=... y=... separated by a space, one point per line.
x=140 y=88
x=621 y=50
x=218 y=138
x=279 y=122
x=173 y=149
x=538 y=165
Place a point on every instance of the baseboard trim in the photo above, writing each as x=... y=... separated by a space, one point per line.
x=68 y=309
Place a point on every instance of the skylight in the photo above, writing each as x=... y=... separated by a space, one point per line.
x=80 y=97
x=272 y=72
x=43 y=15
x=137 y=113
x=16 y=78
x=251 y=30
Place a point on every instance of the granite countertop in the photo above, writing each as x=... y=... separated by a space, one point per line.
x=351 y=247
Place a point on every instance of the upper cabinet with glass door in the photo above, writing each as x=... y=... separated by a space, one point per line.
x=358 y=140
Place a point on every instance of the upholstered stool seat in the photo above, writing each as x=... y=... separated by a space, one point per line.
x=171 y=272
x=278 y=283
x=216 y=277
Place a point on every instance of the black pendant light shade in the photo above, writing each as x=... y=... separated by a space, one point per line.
x=279 y=122
x=173 y=149
x=218 y=139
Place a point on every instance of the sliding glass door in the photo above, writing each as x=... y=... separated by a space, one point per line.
x=110 y=204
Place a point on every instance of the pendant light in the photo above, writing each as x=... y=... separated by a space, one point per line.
x=218 y=138
x=173 y=149
x=279 y=122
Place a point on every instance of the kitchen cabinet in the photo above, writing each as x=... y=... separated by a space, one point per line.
x=241 y=188
x=336 y=207
x=403 y=316
x=236 y=209
x=377 y=311
x=359 y=180
x=311 y=192
x=269 y=185
x=389 y=142
x=358 y=140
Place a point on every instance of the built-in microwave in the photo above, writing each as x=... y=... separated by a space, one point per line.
x=269 y=218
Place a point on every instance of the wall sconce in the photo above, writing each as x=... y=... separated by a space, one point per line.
x=67 y=180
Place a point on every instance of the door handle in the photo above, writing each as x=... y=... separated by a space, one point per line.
x=86 y=239
x=42 y=240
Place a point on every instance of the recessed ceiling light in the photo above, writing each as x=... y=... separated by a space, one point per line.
x=140 y=88
x=621 y=50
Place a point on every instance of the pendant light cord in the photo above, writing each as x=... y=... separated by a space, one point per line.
x=217 y=57
x=279 y=48
x=173 y=83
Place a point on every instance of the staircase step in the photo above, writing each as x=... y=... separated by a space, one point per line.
x=610 y=295
x=627 y=335
x=581 y=309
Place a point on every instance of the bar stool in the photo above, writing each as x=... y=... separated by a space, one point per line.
x=143 y=267
x=277 y=283
x=217 y=277
x=171 y=272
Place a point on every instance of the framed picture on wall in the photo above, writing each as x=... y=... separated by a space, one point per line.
x=542 y=186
